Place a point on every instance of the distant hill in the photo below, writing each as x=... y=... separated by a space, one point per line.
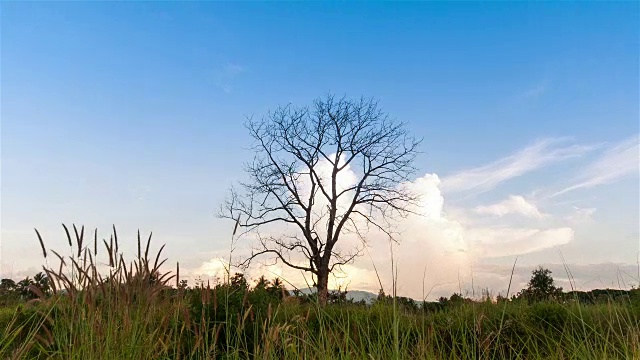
x=358 y=295
x=355 y=295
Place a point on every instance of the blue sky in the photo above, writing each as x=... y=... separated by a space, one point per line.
x=132 y=113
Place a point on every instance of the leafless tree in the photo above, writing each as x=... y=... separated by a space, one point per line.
x=299 y=178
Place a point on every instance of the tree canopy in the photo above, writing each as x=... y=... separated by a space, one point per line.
x=326 y=170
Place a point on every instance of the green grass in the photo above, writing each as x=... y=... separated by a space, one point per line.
x=132 y=312
x=168 y=327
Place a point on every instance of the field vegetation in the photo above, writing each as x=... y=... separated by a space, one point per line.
x=136 y=310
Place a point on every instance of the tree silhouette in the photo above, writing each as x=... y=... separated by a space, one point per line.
x=277 y=289
x=239 y=282
x=301 y=157
x=8 y=292
x=262 y=283
x=41 y=280
x=541 y=286
x=23 y=288
x=184 y=284
x=7 y=286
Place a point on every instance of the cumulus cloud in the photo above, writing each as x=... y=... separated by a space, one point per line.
x=345 y=277
x=432 y=250
x=440 y=248
x=215 y=269
x=435 y=249
x=439 y=245
x=541 y=153
x=620 y=160
x=514 y=204
x=429 y=240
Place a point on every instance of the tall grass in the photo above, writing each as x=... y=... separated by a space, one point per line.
x=131 y=310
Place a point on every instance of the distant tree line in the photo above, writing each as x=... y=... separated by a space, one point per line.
x=541 y=287
x=25 y=289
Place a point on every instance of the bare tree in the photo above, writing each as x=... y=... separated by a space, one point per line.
x=334 y=168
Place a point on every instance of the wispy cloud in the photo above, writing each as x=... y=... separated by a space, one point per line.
x=580 y=215
x=514 y=204
x=452 y=240
x=226 y=74
x=509 y=241
x=583 y=276
x=619 y=161
x=232 y=70
x=536 y=91
x=539 y=154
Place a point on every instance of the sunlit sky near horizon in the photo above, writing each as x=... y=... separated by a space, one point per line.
x=132 y=114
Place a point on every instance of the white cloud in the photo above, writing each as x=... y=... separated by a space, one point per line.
x=437 y=248
x=536 y=91
x=444 y=241
x=355 y=278
x=615 y=163
x=215 y=269
x=225 y=75
x=447 y=243
x=583 y=276
x=581 y=215
x=444 y=244
x=432 y=241
x=512 y=241
x=514 y=204
x=540 y=154
x=231 y=69
x=348 y=276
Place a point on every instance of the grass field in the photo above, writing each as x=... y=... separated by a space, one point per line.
x=185 y=325
x=136 y=311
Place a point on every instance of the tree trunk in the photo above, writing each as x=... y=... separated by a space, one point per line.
x=323 y=285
